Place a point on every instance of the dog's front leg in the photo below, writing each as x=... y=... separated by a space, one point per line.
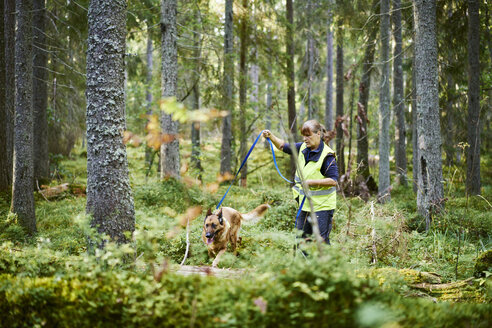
x=216 y=261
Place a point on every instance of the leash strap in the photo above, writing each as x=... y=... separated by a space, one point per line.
x=300 y=208
x=275 y=162
x=242 y=164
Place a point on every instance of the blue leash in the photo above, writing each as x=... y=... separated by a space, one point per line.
x=242 y=164
x=276 y=166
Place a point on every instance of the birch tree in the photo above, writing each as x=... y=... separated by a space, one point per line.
x=109 y=198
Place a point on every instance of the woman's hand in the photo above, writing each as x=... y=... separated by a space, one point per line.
x=276 y=141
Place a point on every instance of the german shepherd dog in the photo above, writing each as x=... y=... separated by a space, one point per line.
x=222 y=227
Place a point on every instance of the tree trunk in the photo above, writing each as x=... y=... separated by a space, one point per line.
x=22 y=190
x=269 y=103
x=169 y=53
x=243 y=149
x=109 y=199
x=362 y=111
x=430 y=188
x=148 y=90
x=291 y=89
x=4 y=182
x=310 y=58
x=398 y=101
x=473 y=152
x=339 y=101
x=9 y=32
x=449 y=148
x=40 y=90
x=415 y=148
x=228 y=80
x=329 y=75
x=384 y=104
x=196 y=162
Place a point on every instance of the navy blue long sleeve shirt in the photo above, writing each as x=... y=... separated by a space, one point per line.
x=329 y=168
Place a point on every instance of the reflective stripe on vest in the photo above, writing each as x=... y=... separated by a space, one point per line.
x=324 y=198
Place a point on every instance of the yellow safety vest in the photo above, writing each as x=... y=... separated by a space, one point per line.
x=324 y=198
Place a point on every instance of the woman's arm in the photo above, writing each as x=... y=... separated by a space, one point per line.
x=326 y=182
x=279 y=143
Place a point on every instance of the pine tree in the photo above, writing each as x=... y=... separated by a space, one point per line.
x=384 y=104
x=473 y=152
x=429 y=184
x=23 y=183
x=228 y=89
x=169 y=52
x=109 y=199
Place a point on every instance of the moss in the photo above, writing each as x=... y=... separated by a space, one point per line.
x=483 y=263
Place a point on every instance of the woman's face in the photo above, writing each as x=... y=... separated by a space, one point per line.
x=311 y=139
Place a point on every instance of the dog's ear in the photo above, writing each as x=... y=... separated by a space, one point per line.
x=221 y=220
x=209 y=212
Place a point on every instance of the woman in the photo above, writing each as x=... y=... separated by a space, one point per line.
x=319 y=168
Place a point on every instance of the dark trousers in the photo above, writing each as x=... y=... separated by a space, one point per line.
x=324 y=222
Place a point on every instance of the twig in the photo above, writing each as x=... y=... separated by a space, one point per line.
x=37 y=185
x=484 y=200
x=457 y=256
x=373 y=236
x=187 y=241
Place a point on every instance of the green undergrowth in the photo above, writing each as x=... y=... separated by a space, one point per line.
x=59 y=281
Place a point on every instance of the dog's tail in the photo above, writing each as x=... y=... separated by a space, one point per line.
x=256 y=214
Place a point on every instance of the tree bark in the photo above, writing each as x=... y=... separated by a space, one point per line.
x=473 y=152
x=9 y=32
x=228 y=85
x=243 y=148
x=149 y=98
x=415 y=148
x=40 y=90
x=196 y=162
x=430 y=188
x=291 y=90
x=339 y=101
x=362 y=110
x=310 y=58
x=4 y=182
x=22 y=190
x=169 y=53
x=384 y=104
x=109 y=199
x=329 y=75
x=398 y=101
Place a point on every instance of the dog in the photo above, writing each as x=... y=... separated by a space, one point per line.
x=222 y=227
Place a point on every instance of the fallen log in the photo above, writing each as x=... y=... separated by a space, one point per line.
x=56 y=191
x=187 y=270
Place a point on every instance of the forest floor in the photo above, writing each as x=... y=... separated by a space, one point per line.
x=386 y=242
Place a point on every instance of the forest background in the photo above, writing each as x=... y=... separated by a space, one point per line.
x=122 y=122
